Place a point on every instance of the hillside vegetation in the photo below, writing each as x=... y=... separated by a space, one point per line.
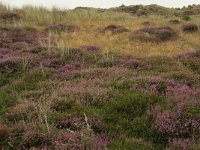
x=120 y=78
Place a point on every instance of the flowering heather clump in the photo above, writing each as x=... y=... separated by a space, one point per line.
x=155 y=85
x=167 y=122
x=182 y=90
x=151 y=34
x=26 y=37
x=91 y=48
x=190 y=27
x=181 y=144
x=174 y=124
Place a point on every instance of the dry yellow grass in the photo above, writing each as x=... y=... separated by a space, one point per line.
x=90 y=20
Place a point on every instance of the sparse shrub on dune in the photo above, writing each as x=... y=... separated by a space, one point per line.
x=10 y=16
x=150 y=34
x=114 y=29
x=174 y=21
x=186 y=18
x=190 y=27
x=62 y=28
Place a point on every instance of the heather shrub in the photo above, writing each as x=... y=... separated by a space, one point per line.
x=190 y=27
x=21 y=111
x=114 y=29
x=174 y=21
x=156 y=85
x=191 y=61
x=153 y=34
x=178 y=120
x=10 y=16
x=33 y=138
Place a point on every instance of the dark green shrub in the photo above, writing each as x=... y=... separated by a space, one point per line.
x=186 y=18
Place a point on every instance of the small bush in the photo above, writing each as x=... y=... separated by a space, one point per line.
x=10 y=16
x=174 y=21
x=34 y=139
x=186 y=18
x=151 y=34
x=190 y=27
x=114 y=29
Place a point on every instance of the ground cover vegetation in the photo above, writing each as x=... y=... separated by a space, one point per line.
x=120 y=78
